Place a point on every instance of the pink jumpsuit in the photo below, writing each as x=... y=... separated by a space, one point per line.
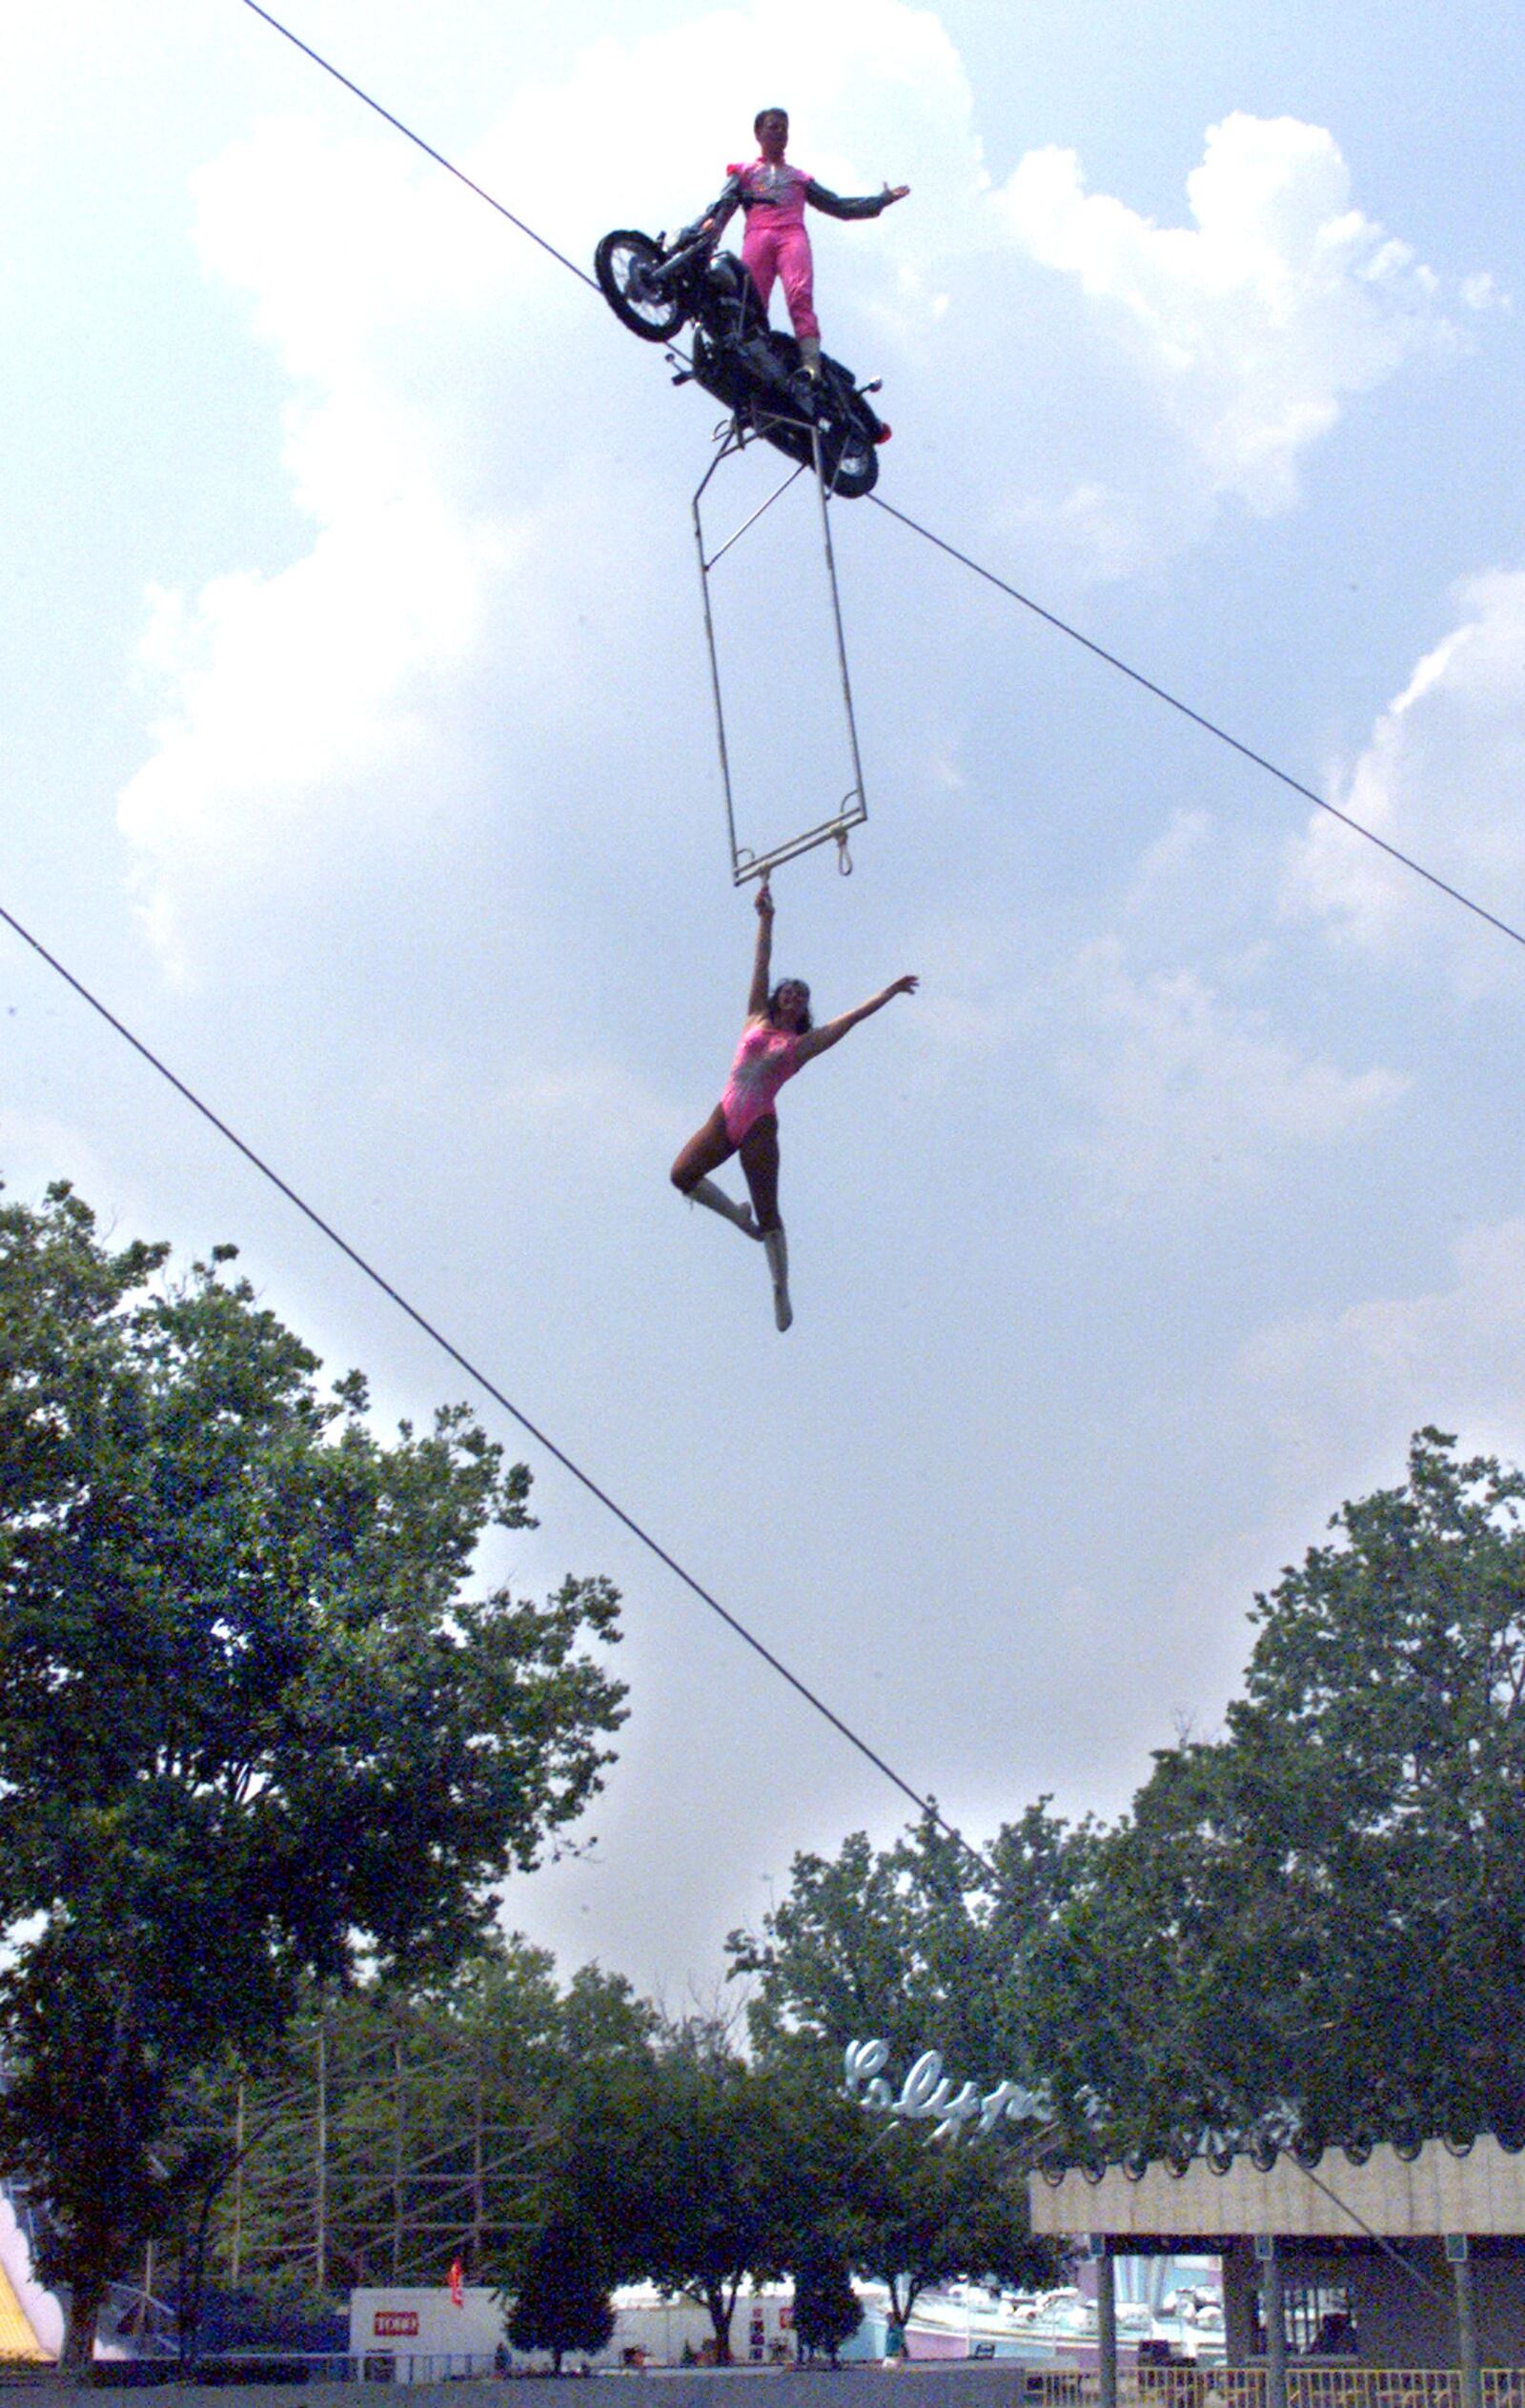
x=765 y=1057
x=776 y=243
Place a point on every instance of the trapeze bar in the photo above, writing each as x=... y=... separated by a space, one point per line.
x=854 y=810
x=748 y=864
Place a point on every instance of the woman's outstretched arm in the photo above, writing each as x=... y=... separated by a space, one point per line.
x=756 y=1002
x=832 y=1031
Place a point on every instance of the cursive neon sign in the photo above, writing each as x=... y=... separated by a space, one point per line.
x=927 y=2095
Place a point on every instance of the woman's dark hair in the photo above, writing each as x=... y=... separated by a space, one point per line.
x=757 y=122
x=773 y=1005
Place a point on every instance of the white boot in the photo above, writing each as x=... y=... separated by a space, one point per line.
x=705 y=1192
x=777 y=1250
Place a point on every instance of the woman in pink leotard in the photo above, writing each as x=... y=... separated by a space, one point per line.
x=776 y=1041
x=774 y=194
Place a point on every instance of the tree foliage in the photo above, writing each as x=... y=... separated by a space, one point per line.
x=1322 y=1913
x=562 y=2299
x=423 y=2118
x=826 y=2309
x=918 y=1944
x=1308 y=1929
x=702 y=2169
x=252 y=1731
x=684 y=2163
x=924 y=2212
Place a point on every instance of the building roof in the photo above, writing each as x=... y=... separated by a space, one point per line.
x=1402 y=2200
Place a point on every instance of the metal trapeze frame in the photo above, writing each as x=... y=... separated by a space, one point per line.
x=853 y=810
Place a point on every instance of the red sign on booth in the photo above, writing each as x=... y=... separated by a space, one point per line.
x=395 y=2324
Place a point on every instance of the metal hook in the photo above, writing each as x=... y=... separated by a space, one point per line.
x=844 y=857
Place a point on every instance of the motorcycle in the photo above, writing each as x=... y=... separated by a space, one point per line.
x=657 y=288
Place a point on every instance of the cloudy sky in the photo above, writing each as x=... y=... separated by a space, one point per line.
x=357 y=749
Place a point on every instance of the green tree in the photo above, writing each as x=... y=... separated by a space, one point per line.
x=920 y=1945
x=1308 y=1929
x=1384 y=1706
x=841 y=1958
x=404 y=2125
x=924 y=1946
x=562 y=2298
x=827 y=2308
x=926 y=2211
x=686 y=2164
x=252 y=1731
x=1319 y=1917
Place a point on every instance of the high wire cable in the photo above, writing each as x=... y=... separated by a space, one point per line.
x=1198 y=719
x=1112 y=659
x=417 y=139
x=925 y=1805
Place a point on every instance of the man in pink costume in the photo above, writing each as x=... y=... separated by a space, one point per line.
x=776 y=245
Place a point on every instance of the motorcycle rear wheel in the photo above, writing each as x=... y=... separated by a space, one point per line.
x=849 y=446
x=849 y=440
x=855 y=470
x=849 y=462
x=621 y=263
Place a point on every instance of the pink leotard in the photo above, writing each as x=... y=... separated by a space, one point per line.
x=765 y=1057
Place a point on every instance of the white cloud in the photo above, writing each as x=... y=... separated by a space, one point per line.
x=458 y=432
x=451 y=437
x=1182 y=1091
x=1480 y=292
x=1110 y=531
x=1442 y=778
x=597 y=1107
x=1344 y=1390
x=35 y=1150
x=1175 y=862
x=287 y=693
x=282 y=681
x=1248 y=329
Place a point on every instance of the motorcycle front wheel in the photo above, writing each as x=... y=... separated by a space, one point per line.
x=623 y=264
